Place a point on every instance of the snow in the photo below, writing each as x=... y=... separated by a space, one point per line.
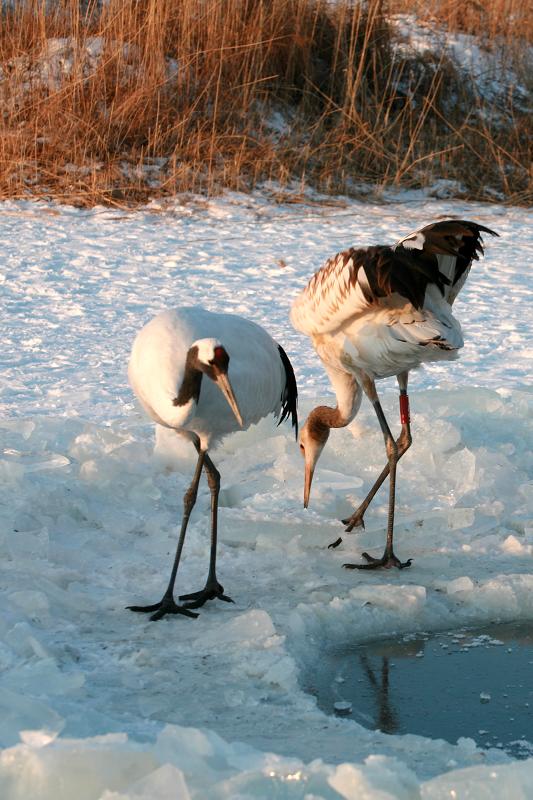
x=56 y=62
x=479 y=59
x=61 y=57
x=96 y=702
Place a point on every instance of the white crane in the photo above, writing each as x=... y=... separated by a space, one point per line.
x=207 y=375
x=373 y=313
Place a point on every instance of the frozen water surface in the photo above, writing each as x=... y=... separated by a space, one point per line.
x=445 y=685
x=96 y=702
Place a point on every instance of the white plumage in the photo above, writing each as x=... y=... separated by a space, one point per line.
x=206 y=375
x=157 y=366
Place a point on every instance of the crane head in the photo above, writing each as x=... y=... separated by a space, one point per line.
x=213 y=360
x=313 y=437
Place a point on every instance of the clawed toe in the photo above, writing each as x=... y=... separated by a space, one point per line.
x=166 y=606
x=145 y=609
x=387 y=561
x=355 y=521
x=336 y=543
x=209 y=592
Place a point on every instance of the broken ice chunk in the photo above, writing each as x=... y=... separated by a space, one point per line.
x=342 y=708
x=23 y=712
x=459 y=586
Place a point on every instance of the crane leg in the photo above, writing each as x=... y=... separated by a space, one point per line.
x=403 y=444
x=212 y=587
x=167 y=604
x=388 y=559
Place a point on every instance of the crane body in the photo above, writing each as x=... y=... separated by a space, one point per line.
x=207 y=375
x=377 y=312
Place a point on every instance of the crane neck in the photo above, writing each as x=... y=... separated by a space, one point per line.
x=326 y=417
x=191 y=383
x=349 y=396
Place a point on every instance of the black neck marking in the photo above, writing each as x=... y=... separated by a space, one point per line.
x=192 y=380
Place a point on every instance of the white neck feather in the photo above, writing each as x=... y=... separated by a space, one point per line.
x=348 y=392
x=206 y=349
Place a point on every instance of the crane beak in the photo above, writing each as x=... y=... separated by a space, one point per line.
x=225 y=387
x=309 y=471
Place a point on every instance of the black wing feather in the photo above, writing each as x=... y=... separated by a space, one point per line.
x=390 y=271
x=351 y=282
x=459 y=238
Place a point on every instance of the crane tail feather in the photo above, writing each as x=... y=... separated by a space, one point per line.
x=289 y=398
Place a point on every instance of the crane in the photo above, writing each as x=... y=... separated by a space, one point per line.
x=378 y=312
x=207 y=375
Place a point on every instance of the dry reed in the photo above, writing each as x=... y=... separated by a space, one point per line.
x=130 y=99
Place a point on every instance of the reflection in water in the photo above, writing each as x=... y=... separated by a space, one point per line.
x=386 y=717
x=473 y=684
x=378 y=677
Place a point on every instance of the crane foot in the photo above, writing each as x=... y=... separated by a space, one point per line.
x=355 y=521
x=165 y=606
x=387 y=561
x=211 y=590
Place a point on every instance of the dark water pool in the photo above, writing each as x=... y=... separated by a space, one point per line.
x=474 y=683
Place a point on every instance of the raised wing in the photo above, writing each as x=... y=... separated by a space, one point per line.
x=453 y=243
x=352 y=281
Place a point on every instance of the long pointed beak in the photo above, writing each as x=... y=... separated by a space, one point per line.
x=309 y=471
x=227 y=391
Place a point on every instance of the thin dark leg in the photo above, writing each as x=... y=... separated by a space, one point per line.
x=403 y=444
x=388 y=559
x=167 y=605
x=212 y=587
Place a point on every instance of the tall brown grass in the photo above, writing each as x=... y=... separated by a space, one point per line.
x=508 y=20
x=147 y=98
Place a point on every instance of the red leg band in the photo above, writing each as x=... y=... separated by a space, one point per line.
x=404 y=409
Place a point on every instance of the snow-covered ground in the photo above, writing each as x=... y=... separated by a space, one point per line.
x=97 y=702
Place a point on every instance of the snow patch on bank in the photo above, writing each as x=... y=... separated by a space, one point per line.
x=480 y=61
